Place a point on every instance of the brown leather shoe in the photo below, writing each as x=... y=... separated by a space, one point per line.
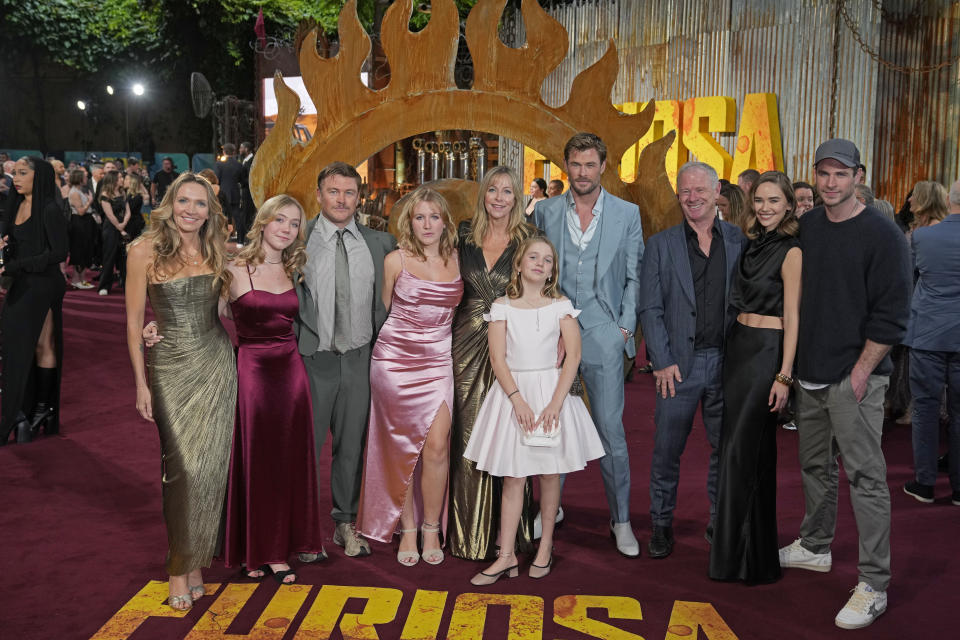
x=354 y=545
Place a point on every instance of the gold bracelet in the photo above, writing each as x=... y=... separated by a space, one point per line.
x=787 y=380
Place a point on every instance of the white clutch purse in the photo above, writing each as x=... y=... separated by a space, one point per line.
x=540 y=438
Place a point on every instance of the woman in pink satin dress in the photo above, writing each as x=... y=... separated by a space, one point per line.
x=411 y=384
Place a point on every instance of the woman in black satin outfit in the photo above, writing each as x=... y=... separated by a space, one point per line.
x=34 y=243
x=758 y=365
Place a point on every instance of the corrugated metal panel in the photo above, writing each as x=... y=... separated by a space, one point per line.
x=918 y=115
x=687 y=48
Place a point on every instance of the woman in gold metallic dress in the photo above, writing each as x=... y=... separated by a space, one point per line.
x=487 y=245
x=191 y=391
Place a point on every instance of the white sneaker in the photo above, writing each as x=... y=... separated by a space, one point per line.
x=627 y=543
x=794 y=555
x=103 y=292
x=538 y=523
x=863 y=607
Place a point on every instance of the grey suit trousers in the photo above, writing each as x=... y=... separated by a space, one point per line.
x=340 y=391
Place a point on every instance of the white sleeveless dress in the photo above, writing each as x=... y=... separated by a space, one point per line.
x=497 y=443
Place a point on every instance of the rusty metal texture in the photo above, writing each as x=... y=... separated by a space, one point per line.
x=905 y=125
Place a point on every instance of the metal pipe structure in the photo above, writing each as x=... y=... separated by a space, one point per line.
x=479 y=155
x=421 y=160
x=460 y=149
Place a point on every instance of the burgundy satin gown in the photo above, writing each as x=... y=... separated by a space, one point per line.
x=272 y=508
x=411 y=378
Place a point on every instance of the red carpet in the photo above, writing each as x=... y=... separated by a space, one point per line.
x=82 y=535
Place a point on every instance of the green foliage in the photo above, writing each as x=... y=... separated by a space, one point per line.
x=81 y=34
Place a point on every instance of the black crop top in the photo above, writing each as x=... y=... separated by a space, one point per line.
x=758 y=287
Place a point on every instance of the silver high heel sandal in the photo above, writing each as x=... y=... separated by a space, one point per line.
x=408 y=558
x=432 y=556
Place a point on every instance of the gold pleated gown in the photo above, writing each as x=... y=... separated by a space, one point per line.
x=193 y=380
x=474 y=510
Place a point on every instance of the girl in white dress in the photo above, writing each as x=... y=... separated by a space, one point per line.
x=528 y=423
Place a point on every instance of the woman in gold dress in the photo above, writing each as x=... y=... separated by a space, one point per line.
x=487 y=246
x=180 y=264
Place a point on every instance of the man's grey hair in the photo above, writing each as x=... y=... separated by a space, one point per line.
x=699 y=166
x=955 y=193
x=865 y=192
x=9 y=164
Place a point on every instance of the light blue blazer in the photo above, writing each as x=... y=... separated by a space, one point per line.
x=618 y=264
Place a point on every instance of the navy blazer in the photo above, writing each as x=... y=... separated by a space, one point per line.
x=618 y=263
x=935 y=309
x=668 y=308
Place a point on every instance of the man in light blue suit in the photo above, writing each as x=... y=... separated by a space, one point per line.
x=684 y=312
x=599 y=243
x=933 y=336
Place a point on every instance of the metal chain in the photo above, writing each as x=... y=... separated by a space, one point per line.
x=842 y=9
x=888 y=16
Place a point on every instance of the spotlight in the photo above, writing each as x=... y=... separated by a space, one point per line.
x=81 y=105
x=110 y=89
x=138 y=89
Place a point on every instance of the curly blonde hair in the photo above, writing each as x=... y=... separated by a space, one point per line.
x=294 y=256
x=550 y=287
x=164 y=236
x=517 y=226
x=408 y=240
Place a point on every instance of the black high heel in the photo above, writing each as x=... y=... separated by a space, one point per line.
x=24 y=431
x=42 y=416
x=44 y=413
x=20 y=426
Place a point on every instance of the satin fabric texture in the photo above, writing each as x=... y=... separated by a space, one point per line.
x=193 y=381
x=745 y=545
x=474 y=505
x=411 y=381
x=272 y=507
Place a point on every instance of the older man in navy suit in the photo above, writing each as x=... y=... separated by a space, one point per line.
x=934 y=339
x=685 y=313
x=599 y=243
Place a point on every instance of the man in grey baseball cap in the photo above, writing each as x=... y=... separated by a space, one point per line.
x=854 y=307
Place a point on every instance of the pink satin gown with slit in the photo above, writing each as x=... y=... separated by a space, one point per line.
x=411 y=380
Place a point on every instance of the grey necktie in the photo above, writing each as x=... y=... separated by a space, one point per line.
x=341 y=305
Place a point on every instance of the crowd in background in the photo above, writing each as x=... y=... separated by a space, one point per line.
x=83 y=218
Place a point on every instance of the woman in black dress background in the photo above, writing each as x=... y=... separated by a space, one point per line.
x=758 y=365
x=34 y=243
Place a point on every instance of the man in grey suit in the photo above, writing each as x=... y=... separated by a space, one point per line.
x=933 y=336
x=599 y=244
x=341 y=311
x=684 y=312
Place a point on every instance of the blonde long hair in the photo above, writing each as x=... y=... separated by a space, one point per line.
x=164 y=237
x=517 y=227
x=408 y=240
x=294 y=256
x=550 y=287
x=928 y=203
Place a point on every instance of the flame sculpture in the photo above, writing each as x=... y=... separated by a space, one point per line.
x=355 y=122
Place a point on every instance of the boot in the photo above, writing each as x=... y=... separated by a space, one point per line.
x=43 y=412
x=24 y=432
x=20 y=426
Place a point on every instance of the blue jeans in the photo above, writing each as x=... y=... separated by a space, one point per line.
x=930 y=372
x=702 y=386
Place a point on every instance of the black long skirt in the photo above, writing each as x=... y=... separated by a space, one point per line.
x=25 y=308
x=745 y=533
